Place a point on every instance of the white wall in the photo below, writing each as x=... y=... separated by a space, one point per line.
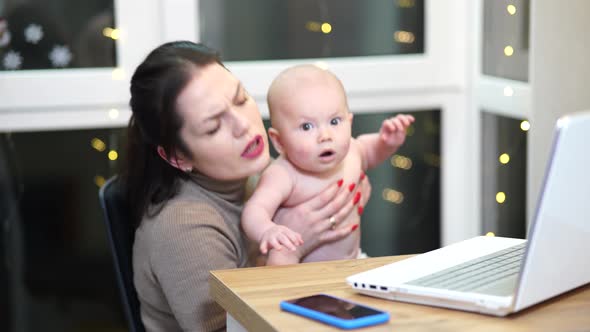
x=559 y=76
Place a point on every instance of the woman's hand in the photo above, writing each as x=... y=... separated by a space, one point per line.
x=317 y=219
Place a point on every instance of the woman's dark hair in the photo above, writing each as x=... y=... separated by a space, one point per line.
x=158 y=80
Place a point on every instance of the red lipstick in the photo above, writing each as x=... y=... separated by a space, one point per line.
x=254 y=148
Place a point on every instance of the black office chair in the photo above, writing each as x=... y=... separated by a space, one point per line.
x=121 y=233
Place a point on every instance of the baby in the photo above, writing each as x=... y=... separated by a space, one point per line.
x=311 y=129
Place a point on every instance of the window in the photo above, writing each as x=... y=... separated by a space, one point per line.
x=57 y=34
x=403 y=215
x=503 y=175
x=60 y=274
x=270 y=30
x=503 y=102
x=506 y=39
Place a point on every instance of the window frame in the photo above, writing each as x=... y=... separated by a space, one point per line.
x=438 y=78
x=82 y=98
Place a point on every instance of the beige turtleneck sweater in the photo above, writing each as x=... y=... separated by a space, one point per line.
x=197 y=231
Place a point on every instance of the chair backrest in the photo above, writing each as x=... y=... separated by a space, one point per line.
x=121 y=232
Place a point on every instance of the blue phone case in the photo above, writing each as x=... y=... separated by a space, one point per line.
x=379 y=318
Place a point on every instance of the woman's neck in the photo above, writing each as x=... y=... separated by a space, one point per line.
x=229 y=190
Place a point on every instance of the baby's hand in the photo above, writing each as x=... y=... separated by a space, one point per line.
x=278 y=236
x=393 y=130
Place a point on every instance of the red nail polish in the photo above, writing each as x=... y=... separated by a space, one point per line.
x=357 y=197
x=340 y=182
x=354 y=227
x=362 y=176
x=351 y=187
x=360 y=210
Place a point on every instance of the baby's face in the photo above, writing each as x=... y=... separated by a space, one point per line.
x=315 y=127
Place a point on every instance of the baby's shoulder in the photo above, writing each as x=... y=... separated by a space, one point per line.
x=355 y=145
x=279 y=174
x=281 y=166
x=355 y=149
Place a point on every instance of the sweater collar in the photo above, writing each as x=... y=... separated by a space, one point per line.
x=228 y=190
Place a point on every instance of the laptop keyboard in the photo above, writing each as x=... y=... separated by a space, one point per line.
x=477 y=273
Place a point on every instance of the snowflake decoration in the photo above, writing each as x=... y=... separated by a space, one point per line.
x=60 y=56
x=4 y=33
x=12 y=60
x=33 y=33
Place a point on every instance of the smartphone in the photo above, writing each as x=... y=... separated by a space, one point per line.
x=335 y=311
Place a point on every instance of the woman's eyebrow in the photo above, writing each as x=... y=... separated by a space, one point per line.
x=216 y=114
x=213 y=116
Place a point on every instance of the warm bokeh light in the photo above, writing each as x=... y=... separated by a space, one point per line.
x=113 y=113
x=98 y=144
x=113 y=155
x=410 y=130
x=508 y=91
x=313 y=26
x=511 y=9
x=431 y=159
x=405 y=3
x=404 y=37
x=99 y=180
x=508 y=50
x=500 y=197
x=111 y=33
x=525 y=125
x=401 y=162
x=491 y=234
x=504 y=158
x=392 y=196
x=326 y=28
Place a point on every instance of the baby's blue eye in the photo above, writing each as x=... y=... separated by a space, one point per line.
x=335 y=121
x=306 y=126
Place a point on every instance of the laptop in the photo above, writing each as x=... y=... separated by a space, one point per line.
x=499 y=276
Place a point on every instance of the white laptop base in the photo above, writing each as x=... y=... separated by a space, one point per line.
x=554 y=258
x=392 y=281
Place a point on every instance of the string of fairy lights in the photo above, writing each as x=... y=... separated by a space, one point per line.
x=399 y=36
x=504 y=158
x=100 y=146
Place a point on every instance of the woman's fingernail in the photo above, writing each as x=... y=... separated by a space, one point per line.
x=360 y=210
x=340 y=182
x=351 y=187
x=362 y=176
x=354 y=227
x=357 y=197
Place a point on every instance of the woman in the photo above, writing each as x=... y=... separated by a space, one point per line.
x=195 y=137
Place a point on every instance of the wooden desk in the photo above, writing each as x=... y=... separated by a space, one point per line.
x=252 y=297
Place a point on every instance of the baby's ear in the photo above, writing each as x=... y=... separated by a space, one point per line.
x=275 y=137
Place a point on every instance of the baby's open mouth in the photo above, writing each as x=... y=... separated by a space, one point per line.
x=327 y=153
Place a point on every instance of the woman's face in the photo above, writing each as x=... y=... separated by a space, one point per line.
x=222 y=127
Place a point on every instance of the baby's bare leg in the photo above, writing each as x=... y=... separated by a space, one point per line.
x=282 y=257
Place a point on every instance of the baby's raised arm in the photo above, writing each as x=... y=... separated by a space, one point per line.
x=273 y=189
x=377 y=147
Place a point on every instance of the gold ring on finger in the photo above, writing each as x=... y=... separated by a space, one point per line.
x=332 y=222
